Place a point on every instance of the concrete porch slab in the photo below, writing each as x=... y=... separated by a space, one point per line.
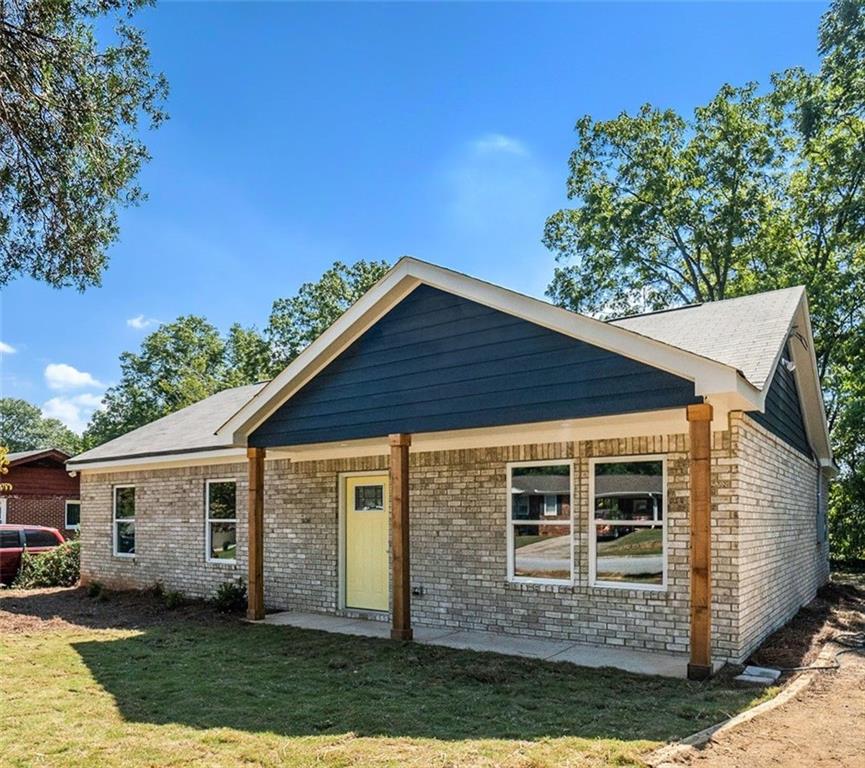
x=640 y=662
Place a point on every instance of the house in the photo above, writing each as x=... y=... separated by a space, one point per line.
x=453 y=454
x=43 y=492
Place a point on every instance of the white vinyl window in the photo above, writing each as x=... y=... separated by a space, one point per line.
x=73 y=514
x=628 y=535
x=540 y=522
x=221 y=514
x=124 y=521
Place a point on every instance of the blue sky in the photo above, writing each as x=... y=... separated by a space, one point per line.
x=302 y=134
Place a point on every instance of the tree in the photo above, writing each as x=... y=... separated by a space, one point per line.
x=247 y=356
x=185 y=361
x=297 y=321
x=179 y=364
x=24 y=428
x=4 y=469
x=69 y=156
x=755 y=191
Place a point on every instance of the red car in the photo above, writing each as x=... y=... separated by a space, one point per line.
x=14 y=539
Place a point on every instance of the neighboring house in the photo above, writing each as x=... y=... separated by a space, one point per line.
x=453 y=454
x=43 y=492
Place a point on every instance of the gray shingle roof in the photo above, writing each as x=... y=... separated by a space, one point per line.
x=538 y=484
x=19 y=455
x=745 y=333
x=189 y=429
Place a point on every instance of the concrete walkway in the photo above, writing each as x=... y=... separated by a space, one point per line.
x=642 y=662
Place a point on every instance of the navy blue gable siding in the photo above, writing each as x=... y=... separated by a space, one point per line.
x=783 y=416
x=437 y=362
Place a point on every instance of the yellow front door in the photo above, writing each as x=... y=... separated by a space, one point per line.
x=366 y=542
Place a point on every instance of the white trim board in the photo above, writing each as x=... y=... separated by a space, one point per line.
x=710 y=377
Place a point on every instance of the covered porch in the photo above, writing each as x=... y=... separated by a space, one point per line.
x=394 y=617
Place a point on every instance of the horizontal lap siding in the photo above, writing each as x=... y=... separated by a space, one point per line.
x=438 y=362
x=783 y=416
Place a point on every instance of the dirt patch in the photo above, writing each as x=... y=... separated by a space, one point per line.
x=823 y=724
x=45 y=610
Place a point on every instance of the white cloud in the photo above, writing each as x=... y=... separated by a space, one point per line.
x=498 y=142
x=74 y=411
x=63 y=376
x=140 y=322
x=7 y=349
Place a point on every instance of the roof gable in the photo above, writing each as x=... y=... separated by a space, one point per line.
x=709 y=376
x=437 y=361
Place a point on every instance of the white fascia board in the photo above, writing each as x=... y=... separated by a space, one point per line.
x=709 y=376
x=808 y=382
x=161 y=461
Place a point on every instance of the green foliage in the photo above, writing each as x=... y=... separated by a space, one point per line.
x=178 y=364
x=4 y=469
x=185 y=361
x=69 y=113
x=756 y=190
x=173 y=599
x=24 y=428
x=95 y=589
x=297 y=321
x=230 y=597
x=58 y=567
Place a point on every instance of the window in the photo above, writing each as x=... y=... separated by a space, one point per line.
x=540 y=525
x=628 y=537
x=73 y=513
x=368 y=497
x=221 y=520
x=124 y=521
x=33 y=537
x=9 y=540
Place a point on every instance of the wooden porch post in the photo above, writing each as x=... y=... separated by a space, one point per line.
x=255 y=535
x=700 y=427
x=399 y=527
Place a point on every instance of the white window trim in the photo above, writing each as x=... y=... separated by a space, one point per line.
x=66 y=525
x=626 y=585
x=114 y=521
x=3 y=501
x=511 y=523
x=208 y=520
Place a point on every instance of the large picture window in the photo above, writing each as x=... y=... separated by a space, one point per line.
x=221 y=520
x=124 y=521
x=629 y=509
x=540 y=524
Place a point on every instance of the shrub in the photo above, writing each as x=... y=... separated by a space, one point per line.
x=174 y=599
x=58 y=567
x=230 y=597
x=95 y=589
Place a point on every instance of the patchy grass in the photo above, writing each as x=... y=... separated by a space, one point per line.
x=121 y=682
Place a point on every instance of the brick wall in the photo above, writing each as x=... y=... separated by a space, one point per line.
x=783 y=549
x=39 y=493
x=766 y=558
x=169 y=529
x=458 y=540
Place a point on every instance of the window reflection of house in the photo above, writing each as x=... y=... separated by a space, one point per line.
x=627 y=497
x=538 y=496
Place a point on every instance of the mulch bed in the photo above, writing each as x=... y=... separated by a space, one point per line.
x=838 y=608
x=39 y=610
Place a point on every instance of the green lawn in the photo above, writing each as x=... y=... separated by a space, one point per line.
x=185 y=688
